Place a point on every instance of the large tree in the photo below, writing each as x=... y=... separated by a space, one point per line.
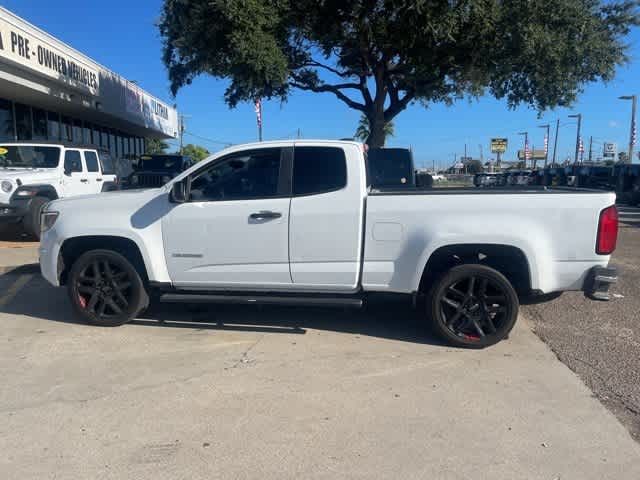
x=196 y=152
x=379 y=56
x=363 y=131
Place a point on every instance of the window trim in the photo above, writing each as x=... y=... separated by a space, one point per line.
x=322 y=192
x=282 y=182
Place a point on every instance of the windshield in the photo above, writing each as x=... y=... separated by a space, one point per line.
x=29 y=156
x=169 y=163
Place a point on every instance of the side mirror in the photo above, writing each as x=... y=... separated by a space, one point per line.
x=179 y=192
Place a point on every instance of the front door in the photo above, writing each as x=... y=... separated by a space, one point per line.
x=233 y=232
x=74 y=181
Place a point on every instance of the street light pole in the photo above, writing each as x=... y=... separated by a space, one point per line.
x=632 y=135
x=546 y=144
x=579 y=117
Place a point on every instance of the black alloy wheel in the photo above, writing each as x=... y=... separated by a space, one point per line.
x=473 y=306
x=105 y=289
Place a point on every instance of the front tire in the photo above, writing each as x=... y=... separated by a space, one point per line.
x=105 y=289
x=472 y=306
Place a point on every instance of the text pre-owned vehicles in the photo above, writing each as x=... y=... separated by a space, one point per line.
x=32 y=174
x=299 y=222
x=156 y=170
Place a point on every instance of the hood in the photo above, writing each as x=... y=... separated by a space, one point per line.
x=27 y=176
x=107 y=201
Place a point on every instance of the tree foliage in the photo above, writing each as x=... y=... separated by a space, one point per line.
x=364 y=130
x=378 y=56
x=196 y=152
x=154 y=146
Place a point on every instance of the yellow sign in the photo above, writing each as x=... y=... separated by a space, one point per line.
x=145 y=157
x=3 y=151
x=499 y=145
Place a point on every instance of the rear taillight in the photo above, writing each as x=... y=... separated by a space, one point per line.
x=607 y=231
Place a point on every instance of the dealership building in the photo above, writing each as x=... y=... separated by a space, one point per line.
x=50 y=91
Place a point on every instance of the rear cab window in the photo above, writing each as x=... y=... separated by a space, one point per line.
x=107 y=163
x=318 y=170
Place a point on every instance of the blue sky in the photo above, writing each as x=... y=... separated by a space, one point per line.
x=122 y=36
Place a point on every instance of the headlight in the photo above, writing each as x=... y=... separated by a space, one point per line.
x=6 y=186
x=47 y=220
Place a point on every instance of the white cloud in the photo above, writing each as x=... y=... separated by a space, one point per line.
x=613 y=124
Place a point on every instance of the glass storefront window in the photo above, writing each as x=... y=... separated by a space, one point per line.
x=39 y=124
x=125 y=150
x=67 y=132
x=104 y=138
x=53 y=125
x=24 y=127
x=6 y=120
x=77 y=131
x=86 y=133
x=112 y=143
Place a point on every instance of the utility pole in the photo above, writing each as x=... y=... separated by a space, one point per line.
x=555 y=143
x=590 y=147
x=182 y=129
x=579 y=117
x=526 y=147
x=632 y=136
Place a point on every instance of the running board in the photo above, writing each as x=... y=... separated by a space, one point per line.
x=349 y=302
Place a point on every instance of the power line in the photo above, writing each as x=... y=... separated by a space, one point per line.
x=217 y=142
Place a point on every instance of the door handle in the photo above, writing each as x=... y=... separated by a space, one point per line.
x=265 y=215
x=98 y=179
x=84 y=180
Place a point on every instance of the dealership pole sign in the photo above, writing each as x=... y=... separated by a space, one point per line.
x=499 y=145
x=43 y=58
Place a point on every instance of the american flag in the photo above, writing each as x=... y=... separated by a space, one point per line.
x=581 y=146
x=546 y=145
x=527 y=151
x=258 y=106
x=634 y=133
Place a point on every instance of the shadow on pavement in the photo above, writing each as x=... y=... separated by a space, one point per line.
x=391 y=319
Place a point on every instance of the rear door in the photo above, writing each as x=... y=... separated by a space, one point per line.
x=326 y=217
x=75 y=181
x=94 y=175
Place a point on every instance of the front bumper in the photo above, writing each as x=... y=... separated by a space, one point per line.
x=598 y=281
x=13 y=212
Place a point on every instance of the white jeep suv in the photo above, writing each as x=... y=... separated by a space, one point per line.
x=33 y=174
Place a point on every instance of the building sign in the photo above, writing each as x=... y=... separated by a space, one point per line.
x=610 y=150
x=144 y=106
x=532 y=155
x=20 y=47
x=499 y=145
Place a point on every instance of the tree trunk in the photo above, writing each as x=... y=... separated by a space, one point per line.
x=376 y=132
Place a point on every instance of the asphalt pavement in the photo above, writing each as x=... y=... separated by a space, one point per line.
x=600 y=341
x=248 y=392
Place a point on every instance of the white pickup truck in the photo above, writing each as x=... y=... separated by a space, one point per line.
x=302 y=222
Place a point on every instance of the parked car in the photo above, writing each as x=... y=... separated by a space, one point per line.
x=301 y=222
x=628 y=183
x=32 y=174
x=156 y=170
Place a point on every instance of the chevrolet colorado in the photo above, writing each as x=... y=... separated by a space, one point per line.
x=301 y=222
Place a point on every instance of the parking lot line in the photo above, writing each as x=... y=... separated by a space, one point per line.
x=14 y=289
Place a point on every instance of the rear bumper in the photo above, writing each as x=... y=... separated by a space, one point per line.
x=598 y=281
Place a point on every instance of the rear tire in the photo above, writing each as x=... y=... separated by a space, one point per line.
x=31 y=221
x=105 y=289
x=472 y=306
